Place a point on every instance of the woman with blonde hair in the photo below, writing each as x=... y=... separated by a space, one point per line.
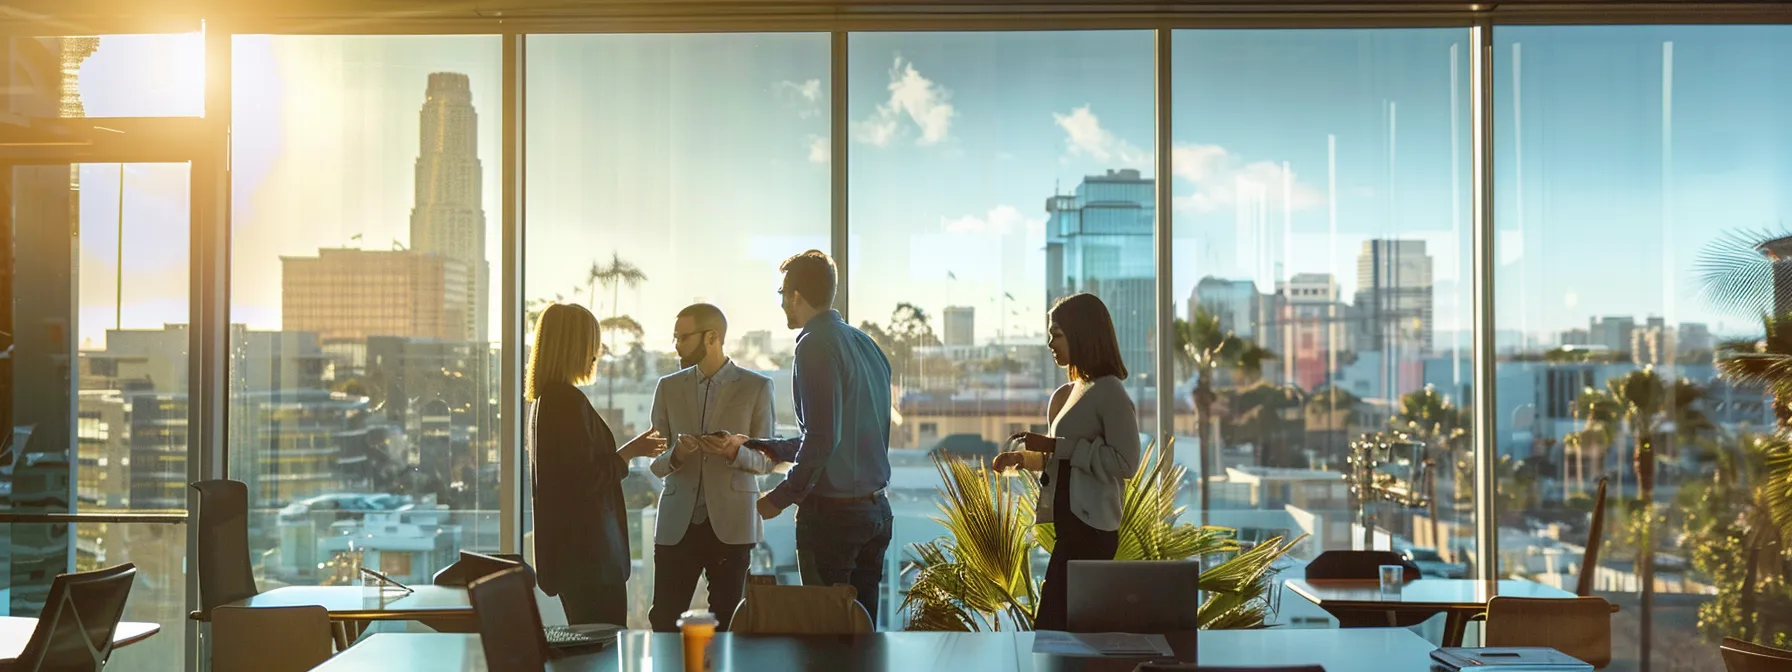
x=581 y=525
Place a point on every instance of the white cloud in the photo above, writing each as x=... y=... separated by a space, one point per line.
x=1219 y=176
x=912 y=97
x=820 y=150
x=1000 y=220
x=1085 y=137
x=804 y=95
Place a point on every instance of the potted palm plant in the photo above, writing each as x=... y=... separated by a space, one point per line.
x=979 y=575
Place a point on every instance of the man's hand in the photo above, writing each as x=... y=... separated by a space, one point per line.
x=648 y=444
x=768 y=510
x=686 y=448
x=1004 y=461
x=728 y=447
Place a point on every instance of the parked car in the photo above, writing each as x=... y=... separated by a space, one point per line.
x=1432 y=565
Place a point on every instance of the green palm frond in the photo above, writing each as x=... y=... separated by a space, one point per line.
x=1733 y=274
x=1776 y=492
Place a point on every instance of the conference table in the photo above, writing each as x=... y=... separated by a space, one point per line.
x=15 y=633
x=353 y=607
x=1459 y=599
x=1352 y=650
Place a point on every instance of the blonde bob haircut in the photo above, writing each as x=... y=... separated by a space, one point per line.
x=567 y=343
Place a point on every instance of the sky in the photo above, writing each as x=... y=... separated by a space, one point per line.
x=703 y=159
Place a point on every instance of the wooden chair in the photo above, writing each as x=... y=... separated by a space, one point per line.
x=801 y=610
x=1589 y=559
x=1741 y=656
x=74 y=632
x=509 y=623
x=1580 y=627
x=270 y=639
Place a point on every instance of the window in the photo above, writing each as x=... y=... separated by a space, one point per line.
x=1631 y=159
x=362 y=356
x=991 y=174
x=1322 y=202
x=666 y=170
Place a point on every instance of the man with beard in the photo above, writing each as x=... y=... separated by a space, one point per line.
x=708 y=521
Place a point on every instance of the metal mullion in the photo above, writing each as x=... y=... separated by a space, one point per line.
x=1166 y=299
x=208 y=362
x=1483 y=413
x=839 y=230
x=510 y=346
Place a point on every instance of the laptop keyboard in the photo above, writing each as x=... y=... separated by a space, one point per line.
x=558 y=635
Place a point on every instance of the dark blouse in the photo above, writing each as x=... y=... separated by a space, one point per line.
x=581 y=526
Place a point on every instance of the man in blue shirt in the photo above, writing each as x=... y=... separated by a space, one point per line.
x=842 y=393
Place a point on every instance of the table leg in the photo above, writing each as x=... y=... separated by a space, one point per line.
x=1455 y=624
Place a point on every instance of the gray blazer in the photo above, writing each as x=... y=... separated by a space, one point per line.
x=731 y=489
x=1098 y=434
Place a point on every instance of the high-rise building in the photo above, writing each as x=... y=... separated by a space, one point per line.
x=1695 y=337
x=447 y=218
x=1575 y=337
x=347 y=295
x=1312 y=321
x=1653 y=344
x=1235 y=302
x=1612 y=332
x=1394 y=288
x=961 y=326
x=1099 y=240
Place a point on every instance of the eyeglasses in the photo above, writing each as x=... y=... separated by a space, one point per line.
x=679 y=338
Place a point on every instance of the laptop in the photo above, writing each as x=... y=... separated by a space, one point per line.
x=1506 y=659
x=579 y=636
x=509 y=620
x=1133 y=596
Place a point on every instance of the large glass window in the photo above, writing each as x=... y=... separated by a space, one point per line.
x=1321 y=257
x=667 y=170
x=1634 y=165
x=363 y=336
x=991 y=174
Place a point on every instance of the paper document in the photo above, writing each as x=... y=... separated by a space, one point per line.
x=1117 y=644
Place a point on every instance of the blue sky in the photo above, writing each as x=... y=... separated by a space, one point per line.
x=703 y=159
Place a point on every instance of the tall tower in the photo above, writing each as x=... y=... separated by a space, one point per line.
x=447 y=218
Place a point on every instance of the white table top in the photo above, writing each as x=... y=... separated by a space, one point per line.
x=15 y=633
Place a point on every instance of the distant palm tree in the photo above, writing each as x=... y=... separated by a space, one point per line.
x=1269 y=418
x=1766 y=363
x=1429 y=416
x=1332 y=410
x=1600 y=416
x=615 y=276
x=1203 y=345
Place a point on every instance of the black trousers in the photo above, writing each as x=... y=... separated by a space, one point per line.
x=595 y=603
x=677 y=566
x=1076 y=541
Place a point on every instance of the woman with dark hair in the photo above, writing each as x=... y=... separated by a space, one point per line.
x=581 y=527
x=1093 y=447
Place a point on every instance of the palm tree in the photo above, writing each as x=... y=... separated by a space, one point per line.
x=1202 y=345
x=1734 y=506
x=1599 y=414
x=1269 y=418
x=615 y=276
x=1331 y=410
x=1766 y=363
x=1429 y=416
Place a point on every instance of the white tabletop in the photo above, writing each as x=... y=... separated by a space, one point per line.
x=15 y=633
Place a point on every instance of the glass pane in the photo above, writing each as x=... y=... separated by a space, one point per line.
x=992 y=174
x=1632 y=163
x=362 y=355
x=700 y=161
x=108 y=76
x=158 y=596
x=104 y=430
x=1322 y=204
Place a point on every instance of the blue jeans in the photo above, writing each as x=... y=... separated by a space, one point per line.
x=844 y=542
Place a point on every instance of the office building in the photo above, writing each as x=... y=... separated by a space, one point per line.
x=961 y=326
x=1394 y=295
x=1235 y=302
x=1312 y=322
x=1695 y=337
x=1612 y=332
x=448 y=219
x=347 y=295
x=1099 y=240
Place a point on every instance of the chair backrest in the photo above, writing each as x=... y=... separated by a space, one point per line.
x=74 y=632
x=270 y=639
x=1589 y=559
x=1741 y=656
x=509 y=622
x=801 y=610
x=1358 y=565
x=1133 y=596
x=473 y=565
x=1580 y=627
x=222 y=522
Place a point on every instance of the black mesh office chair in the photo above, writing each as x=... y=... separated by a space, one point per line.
x=1366 y=565
x=222 y=523
x=509 y=624
x=74 y=632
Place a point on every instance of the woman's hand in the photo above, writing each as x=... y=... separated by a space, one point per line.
x=1020 y=459
x=1038 y=443
x=648 y=444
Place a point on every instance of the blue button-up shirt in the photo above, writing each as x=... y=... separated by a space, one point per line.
x=842 y=393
